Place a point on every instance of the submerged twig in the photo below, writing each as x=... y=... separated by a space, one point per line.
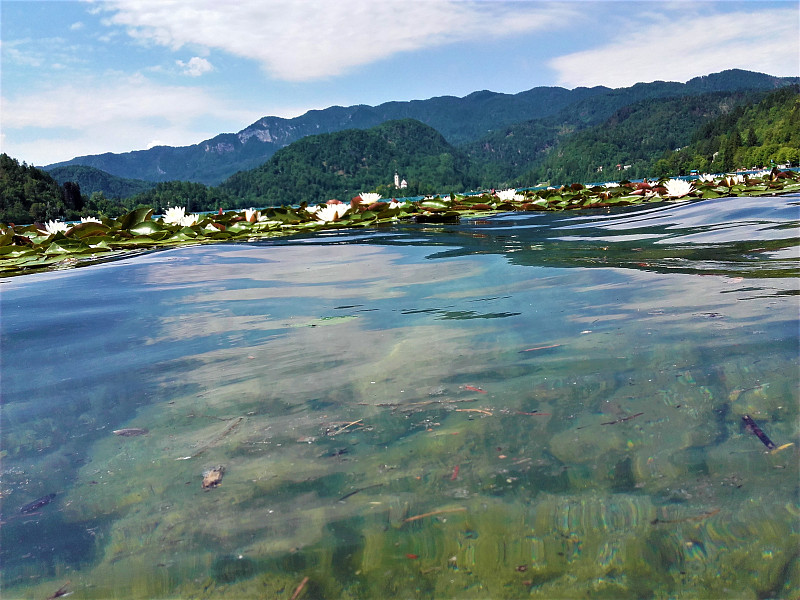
x=751 y=426
x=354 y=492
x=299 y=588
x=477 y=410
x=623 y=419
x=434 y=513
x=62 y=591
x=214 y=440
x=540 y=348
x=341 y=429
x=706 y=515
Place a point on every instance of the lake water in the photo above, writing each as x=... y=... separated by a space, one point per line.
x=537 y=405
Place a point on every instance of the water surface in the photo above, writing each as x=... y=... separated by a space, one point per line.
x=542 y=405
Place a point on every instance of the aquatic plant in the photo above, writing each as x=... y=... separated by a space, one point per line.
x=53 y=227
x=678 y=188
x=56 y=245
x=174 y=215
x=331 y=212
x=369 y=197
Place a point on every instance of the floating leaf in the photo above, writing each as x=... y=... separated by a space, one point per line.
x=146 y=228
x=135 y=217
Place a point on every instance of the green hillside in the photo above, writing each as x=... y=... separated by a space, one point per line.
x=566 y=148
x=760 y=134
x=343 y=164
x=93 y=180
x=627 y=144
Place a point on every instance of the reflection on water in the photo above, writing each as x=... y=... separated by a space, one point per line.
x=532 y=405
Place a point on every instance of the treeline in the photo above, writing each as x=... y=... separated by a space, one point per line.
x=28 y=194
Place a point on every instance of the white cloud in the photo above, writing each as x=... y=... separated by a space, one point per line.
x=303 y=40
x=195 y=67
x=677 y=49
x=76 y=26
x=112 y=114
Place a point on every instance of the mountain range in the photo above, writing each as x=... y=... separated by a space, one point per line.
x=493 y=129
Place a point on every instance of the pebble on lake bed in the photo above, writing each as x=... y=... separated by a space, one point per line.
x=213 y=477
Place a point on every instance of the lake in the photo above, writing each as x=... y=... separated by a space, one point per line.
x=537 y=405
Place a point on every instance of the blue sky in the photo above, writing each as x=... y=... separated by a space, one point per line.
x=86 y=77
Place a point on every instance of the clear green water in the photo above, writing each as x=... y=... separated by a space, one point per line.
x=527 y=406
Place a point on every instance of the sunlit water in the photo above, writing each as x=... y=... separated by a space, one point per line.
x=531 y=405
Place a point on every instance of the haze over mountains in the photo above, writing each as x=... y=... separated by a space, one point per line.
x=484 y=125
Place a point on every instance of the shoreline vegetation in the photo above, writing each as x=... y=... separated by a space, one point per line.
x=56 y=245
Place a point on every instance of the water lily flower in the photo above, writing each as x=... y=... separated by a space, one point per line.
x=90 y=220
x=509 y=194
x=189 y=220
x=396 y=204
x=370 y=197
x=251 y=215
x=312 y=210
x=174 y=215
x=611 y=184
x=331 y=212
x=732 y=180
x=678 y=188
x=706 y=178
x=53 y=227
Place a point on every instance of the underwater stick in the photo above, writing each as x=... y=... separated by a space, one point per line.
x=299 y=588
x=751 y=426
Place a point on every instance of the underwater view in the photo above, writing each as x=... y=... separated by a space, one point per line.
x=581 y=404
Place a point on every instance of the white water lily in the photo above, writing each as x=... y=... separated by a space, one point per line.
x=331 y=212
x=678 y=188
x=313 y=209
x=370 y=197
x=706 y=178
x=90 y=220
x=732 y=180
x=53 y=227
x=251 y=215
x=174 y=215
x=509 y=194
x=611 y=184
x=396 y=204
x=189 y=220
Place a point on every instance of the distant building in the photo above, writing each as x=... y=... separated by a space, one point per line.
x=401 y=185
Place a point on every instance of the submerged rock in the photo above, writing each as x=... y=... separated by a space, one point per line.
x=213 y=477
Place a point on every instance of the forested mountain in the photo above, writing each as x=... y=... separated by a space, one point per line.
x=712 y=132
x=94 y=180
x=749 y=135
x=715 y=132
x=627 y=143
x=345 y=163
x=459 y=120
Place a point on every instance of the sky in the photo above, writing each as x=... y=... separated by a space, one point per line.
x=86 y=77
